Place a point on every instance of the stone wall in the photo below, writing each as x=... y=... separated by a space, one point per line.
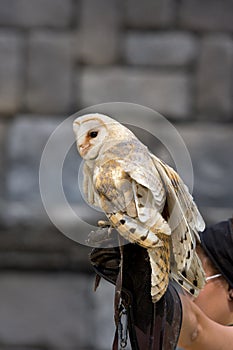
x=57 y=57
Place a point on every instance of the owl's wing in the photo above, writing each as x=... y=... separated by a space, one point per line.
x=130 y=205
x=184 y=218
x=134 y=159
x=132 y=208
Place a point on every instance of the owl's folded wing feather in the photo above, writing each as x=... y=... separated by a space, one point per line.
x=126 y=201
x=184 y=217
x=145 y=174
x=134 y=159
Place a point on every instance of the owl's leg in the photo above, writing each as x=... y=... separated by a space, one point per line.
x=160 y=265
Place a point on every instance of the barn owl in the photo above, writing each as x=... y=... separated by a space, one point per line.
x=143 y=198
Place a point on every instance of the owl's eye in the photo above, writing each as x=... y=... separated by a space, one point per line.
x=93 y=134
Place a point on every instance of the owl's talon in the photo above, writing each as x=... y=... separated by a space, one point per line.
x=102 y=236
x=110 y=231
x=104 y=224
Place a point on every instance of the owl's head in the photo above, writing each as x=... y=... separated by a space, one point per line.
x=92 y=131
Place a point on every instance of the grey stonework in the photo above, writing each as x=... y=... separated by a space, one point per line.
x=57 y=57
x=27 y=137
x=211 y=15
x=214 y=78
x=149 y=13
x=164 y=49
x=98 y=34
x=167 y=93
x=33 y=13
x=11 y=71
x=49 y=80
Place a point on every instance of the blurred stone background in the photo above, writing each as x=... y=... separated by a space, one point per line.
x=57 y=57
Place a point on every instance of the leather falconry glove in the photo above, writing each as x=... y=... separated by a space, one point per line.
x=151 y=326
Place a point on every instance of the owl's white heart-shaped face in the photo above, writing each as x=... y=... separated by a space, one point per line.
x=90 y=132
x=93 y=131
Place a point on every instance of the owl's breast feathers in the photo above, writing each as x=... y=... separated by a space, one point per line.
x=114 y=187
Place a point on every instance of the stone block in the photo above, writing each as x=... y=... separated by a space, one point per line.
x=32 y=13
x=162 y=49
x=54 y=311
x=49 y=88
x=167 y=93
x=97 y=40
x=214 y=78
x=206 y=15
x=11 y=71
x=149 y=13
x=211 y=147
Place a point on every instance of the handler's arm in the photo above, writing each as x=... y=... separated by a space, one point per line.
x=198 y=332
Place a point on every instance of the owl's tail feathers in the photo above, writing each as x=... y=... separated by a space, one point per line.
x=159 y=262
x=192 y=280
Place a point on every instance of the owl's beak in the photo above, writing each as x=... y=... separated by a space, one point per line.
x=83 y=149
